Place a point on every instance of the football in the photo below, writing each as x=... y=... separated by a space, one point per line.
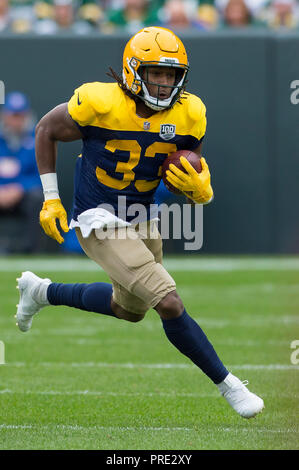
x=174 y=158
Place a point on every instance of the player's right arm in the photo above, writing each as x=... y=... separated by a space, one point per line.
x=55 y=126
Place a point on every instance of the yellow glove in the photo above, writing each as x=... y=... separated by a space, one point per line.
x=53 y=209
x=196 y=186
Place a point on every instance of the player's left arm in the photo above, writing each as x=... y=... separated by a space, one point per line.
x=196 y=186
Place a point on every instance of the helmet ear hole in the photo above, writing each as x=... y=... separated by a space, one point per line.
x=141 y=71
x=179 y=73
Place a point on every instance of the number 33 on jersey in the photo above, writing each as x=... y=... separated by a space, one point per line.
x=123 y=153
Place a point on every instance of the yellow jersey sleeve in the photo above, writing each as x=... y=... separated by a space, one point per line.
x=197 y=113
x=79 y=106
x=89 y=102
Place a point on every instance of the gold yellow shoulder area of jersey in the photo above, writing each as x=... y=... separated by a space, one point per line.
x=195 y=106
x=90 y=101
x=100 y=96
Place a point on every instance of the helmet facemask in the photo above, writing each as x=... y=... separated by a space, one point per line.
x=140 y=83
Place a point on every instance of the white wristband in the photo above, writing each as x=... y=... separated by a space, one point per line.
x=50 y=186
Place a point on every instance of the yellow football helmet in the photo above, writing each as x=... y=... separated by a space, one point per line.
x=154 y=46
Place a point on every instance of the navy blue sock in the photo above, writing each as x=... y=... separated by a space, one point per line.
x=95 y=297
x=187 y=336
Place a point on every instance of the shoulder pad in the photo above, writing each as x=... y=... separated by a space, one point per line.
x=196 y=108
x=197 y=116
x=91 y=100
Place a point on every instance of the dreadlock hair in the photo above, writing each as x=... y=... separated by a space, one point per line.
x=121 y=84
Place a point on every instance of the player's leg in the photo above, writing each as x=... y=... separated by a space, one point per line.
x=124 y=314
x=187 y=336
x=98 y=297
x=127 y=306
x=36 y=293
x=134 y=267
x=181 y=330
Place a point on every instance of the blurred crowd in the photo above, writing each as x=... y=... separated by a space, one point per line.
x=21 y=195
x=48 y=17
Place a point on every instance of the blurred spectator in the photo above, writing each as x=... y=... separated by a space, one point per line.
x=64 y=13
x=241 y=13
x=64 y=20
x=207 y=16
x=20 y=187
x=133 y=16
x=177 y=14
x=4 y=15
x=236 y=14
x=22 y=16
x=43 y=9
x=183 y=14
x=254 y=6
x=91 y=12
x=281 y=14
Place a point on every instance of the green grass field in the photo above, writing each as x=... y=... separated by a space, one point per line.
x=79 y=380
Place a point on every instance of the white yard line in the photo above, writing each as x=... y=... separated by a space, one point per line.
x=94 y=428
x=110 y=394
x=91 y=428
x=63 y=427
x=130 y=365
x=67 y=264
x=91 y=393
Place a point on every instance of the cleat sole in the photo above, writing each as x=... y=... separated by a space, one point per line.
x=257 y=413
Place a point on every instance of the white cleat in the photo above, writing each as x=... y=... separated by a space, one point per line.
x=244 y=402
x=32 y=298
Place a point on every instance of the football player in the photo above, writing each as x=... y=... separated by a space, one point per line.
x=128 y=128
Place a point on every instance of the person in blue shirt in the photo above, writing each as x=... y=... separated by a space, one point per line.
x=20 y=186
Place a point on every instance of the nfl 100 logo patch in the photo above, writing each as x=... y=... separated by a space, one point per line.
x=167 y=131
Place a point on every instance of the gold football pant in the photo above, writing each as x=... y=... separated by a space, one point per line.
x=134 y=264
